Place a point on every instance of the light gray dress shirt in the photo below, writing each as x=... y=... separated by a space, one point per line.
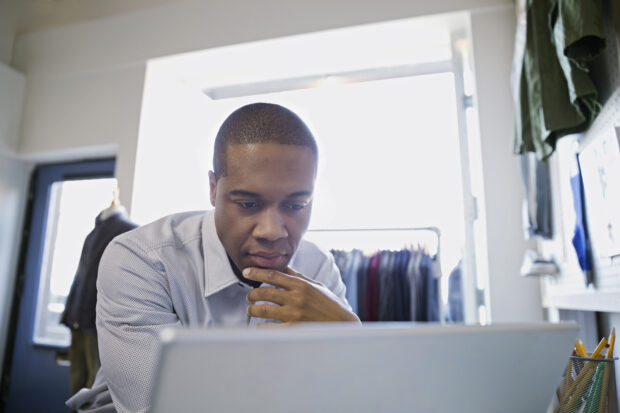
x=172 y=272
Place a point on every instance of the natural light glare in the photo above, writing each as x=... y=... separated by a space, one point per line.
x=80 y=203
x=388 y=158
x=73 y=207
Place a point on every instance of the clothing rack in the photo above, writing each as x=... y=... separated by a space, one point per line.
x=429 y=228
x=434 y=255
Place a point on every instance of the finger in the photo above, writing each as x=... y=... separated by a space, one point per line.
x=274 y=325
x=293 y=273
x=272 y=277
x=269 y=294
x=266 y=311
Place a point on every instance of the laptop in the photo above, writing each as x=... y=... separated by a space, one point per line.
x=375 y=367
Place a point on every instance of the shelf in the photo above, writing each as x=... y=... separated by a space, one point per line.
x=605 y=301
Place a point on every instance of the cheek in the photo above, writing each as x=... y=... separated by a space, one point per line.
x=298 y=225
x=232 y=229
x=239 y=228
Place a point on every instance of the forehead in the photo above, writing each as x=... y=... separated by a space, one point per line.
x=270 y=165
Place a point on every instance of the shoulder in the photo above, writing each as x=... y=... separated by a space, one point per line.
x=143 y=258
x=312 y=260
x=318 y=264
x=174 y=231
x=310 y=249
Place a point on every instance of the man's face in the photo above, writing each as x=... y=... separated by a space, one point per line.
x=263 y=203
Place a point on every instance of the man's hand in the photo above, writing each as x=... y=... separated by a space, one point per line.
x=300 y=299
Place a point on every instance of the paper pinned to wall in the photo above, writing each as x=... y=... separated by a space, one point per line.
x=600 y=168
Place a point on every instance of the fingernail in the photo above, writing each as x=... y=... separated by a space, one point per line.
x=246 y=272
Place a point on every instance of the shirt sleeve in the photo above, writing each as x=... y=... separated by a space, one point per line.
x=133 y=306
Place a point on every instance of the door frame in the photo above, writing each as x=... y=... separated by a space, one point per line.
x=26 y=284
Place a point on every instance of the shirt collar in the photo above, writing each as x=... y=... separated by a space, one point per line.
x=218 y=272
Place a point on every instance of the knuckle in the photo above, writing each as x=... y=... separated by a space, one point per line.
x=272 y=275
x=297 y=315
x=305 y=288
x=301 y=300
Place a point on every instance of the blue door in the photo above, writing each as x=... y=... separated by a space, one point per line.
x=66 y=200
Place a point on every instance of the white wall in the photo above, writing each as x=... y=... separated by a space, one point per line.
x=512 y=298
x=12 y=85
x=73 y=115
x=8 y=14
x=85 y=80
x=13 y=186
x=85 y=85
x=14 y=172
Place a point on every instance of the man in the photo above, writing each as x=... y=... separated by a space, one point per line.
x=244 y=263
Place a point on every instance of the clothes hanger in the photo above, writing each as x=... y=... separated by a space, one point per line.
x=115 y=206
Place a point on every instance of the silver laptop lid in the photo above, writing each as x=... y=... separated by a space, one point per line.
x=387 y=367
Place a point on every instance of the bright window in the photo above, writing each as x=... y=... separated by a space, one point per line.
x=388 y=158
x=71 y=216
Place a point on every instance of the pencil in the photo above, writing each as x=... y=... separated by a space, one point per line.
x=581 y=349
x=610 y=355
x=592 y=401
x=576 y=389
x=599 y=348
x=602 y=400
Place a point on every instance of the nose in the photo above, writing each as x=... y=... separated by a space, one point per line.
x=271 y=226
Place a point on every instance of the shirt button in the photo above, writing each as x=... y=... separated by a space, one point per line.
x=76 y=325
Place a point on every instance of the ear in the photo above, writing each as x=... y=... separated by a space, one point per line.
x=212 y=187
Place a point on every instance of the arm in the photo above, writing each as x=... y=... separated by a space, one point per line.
x=299 y=298
x=133 y=306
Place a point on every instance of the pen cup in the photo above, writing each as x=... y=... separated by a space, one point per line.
x=588 y=386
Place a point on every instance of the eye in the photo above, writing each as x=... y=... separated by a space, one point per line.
x=296 y=206
x=248 y=204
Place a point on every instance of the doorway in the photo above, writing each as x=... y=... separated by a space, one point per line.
x=65 y=200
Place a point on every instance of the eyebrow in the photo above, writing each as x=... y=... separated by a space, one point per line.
x=249 y=194
x=241 y=192
x=299 y=194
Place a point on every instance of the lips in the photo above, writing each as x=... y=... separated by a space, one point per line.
x=268 y=259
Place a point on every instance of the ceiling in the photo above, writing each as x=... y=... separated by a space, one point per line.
x=37 y=15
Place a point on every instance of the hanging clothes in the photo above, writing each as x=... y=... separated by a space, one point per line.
x=554 y=94
x=455 y=294
x=372 y=290
x=537 y=206
x=392 y=285
x=79 y=312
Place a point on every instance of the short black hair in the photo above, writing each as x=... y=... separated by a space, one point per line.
x=260 y=123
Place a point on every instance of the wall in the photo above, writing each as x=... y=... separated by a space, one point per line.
x=7 y=18
x=512 y=298
x=12 y=85
x=14 y=172
x=85 y=80
x=13 y=185
x=85 y=86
